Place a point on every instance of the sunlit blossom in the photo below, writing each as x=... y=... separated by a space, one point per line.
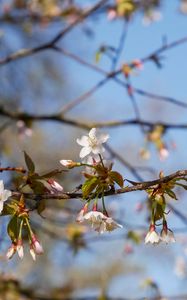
x=94 y=218
x=100 y=222
x=152 y=236
x=107 y=224
x=92 y=143
x=4 y=195
x=167 y=236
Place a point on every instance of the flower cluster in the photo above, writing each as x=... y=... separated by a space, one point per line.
x=98 y=220
x=99 y=179
x=165 y=236
x=17 y=246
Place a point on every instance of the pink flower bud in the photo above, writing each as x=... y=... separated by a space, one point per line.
x=68 y=163
x=83 y=211
x=32 y=253
x=11 y=251
x=19 y=248
x=36 y=246
x=56 y=187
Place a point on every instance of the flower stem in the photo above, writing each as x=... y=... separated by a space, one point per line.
x=101 y=160
x=103 y=203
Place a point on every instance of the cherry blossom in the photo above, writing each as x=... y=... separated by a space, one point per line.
x=4 y=195
x=107 y=224
x=167 y=236
x=92 y=143
x=100 y=222
x=152 y=236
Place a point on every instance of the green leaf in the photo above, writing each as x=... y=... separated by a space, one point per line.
x=52 y=173
x=41 y=206
x=89 y=185
x=159 y=211
x=117 y=178
x=29 y=163
x=171 y=194
x=38 y=186
x=12 y=228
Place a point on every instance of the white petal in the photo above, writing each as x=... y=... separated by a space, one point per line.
x=103 y=137
x=1 y=186
x=97 y=150
x=20 y=251
x=80 y=216
x=167 y=237
x=101 y=228
x=83 y=141
x=153 y=238
x=92 y=133
x=57 y=186
x=85 y=151
x=38 y=248
x=11 y=251
x=147 y=237
x=32 y=253
x=1 y=206
x=66 y=162
x=5 y=195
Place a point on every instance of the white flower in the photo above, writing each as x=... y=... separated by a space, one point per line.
x=167 y=236
x=152 y=236
x=4 y=195
x=92 y=143
x=99 y=221
x=107 y=224
x=94 y=218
